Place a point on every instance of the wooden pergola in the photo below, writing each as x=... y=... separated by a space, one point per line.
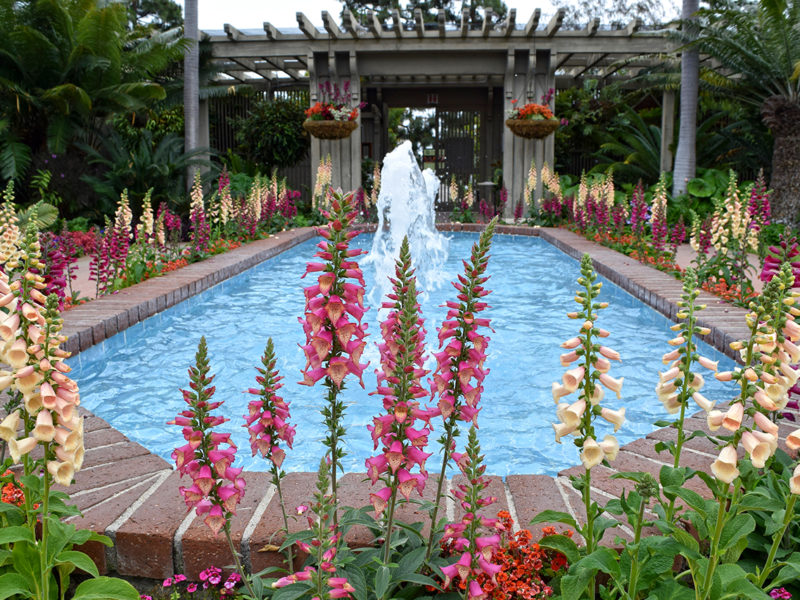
x=437 y=65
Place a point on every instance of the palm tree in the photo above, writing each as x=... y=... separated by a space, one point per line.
x=685 y=154
x=757 y=51
x=191 y=82
x=65 y=67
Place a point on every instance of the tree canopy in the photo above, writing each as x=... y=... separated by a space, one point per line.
x=430 y=9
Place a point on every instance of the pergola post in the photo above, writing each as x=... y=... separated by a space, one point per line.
x=528 y=76
x=191 y=84
x=667 y=129
x=337 y=68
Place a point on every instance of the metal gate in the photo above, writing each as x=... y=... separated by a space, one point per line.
x=457 y=149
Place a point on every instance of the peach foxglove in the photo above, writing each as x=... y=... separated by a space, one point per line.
x=62 y=472
x=794 y=482
x=793 y=440
x=571 y=343
x=561 y=430
x=708 y=363
x=724 y=468
x=724 y=376
x=610 y=447
x=609 y=353
x=591 y=454
x=44 y=431
x=601 y=365
x=572 y=378
x=703 y=402
x=597 y=395
x=733 y=418
x=568 y=358
x=671 y=356
x=671 y=402
x=714 y=419
x=767 y=438
x=764 y=401
x=615 y=385
x=765 y=424
x=669 y=375
x=8 y=427
x=759 y=451
x=19 y=448
x=559 y=391
x=677 y=341
x=615 y=417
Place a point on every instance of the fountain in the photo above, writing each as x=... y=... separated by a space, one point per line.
x=406 y=208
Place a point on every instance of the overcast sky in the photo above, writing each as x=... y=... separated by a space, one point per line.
x=251 y=14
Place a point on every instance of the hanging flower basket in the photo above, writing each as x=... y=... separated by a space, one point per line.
x=329 y=129
x=536 y=129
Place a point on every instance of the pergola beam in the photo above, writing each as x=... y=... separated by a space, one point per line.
x=464 y=22
x=633 y=26
x=350 y=23
x=419 y=24
x=511 y=22
x=555 y=23
x=592 y=27
x=487 y=22
x=374 y=24
x=233 y=34
x=440 y=17
x=330 y=25
x=533 y=23
x=250 y=66
x=592 y=61
x=306 y=26
x=398 y=26
x=272 y=32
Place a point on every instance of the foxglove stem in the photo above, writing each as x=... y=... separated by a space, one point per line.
x=776 y=541
x=238 y=562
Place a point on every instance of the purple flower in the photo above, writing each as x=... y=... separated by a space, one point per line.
x=780 y=593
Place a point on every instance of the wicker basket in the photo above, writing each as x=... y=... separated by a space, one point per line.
x=532 y=128
x=330 y=130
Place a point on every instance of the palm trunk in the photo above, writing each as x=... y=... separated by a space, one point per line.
x=191 y=84
x=685 y=154
x=782 y=116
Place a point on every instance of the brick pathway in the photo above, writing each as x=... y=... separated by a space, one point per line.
x=131 y=495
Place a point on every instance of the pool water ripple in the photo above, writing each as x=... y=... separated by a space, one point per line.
x=132 y=379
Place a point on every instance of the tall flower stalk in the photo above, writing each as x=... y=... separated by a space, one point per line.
x=217 y=487
x=476 y=550
x=399 y=382
x=578 y=417
x=458 y=378
x=332 y=321
x=267 y=424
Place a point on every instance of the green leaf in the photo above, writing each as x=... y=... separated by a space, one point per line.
x=17 y=533
x=693 y=500
x=672 y=590
x=292 y=592
x=758 y=500
x=554 y=516
x=12 y=584
x=789 y=572
x=735 y=529
x=382 y=577
x=575 y=583
x=736 y=585
x=563 y=544
x=602 y=559
x=418 y=579
x=355 y=577
x=700 y=188
x=79 y=560
x=105 y=588
x=410 y=562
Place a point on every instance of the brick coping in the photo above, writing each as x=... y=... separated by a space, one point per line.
x=132 y=495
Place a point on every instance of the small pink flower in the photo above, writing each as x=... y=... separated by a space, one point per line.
x=167 y=582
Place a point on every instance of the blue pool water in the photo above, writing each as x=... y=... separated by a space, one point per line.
x=132 y=379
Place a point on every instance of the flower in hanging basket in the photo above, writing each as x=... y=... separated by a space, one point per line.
x=533 y=121
x=335 y=104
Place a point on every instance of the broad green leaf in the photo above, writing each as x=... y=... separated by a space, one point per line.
x=602 y=559
x=355 y=577
x=105 y=588
x=789 y=572
x=693 y=500
x=382 y=577
x=554 y=516
x=292 y=592
x=738 y=527
x=563 y=544
x=575 y=583
x=672 y=590
x=79 y=560
x=17 y=533
x=410 y=562
x=418 y=579
x=12 y=584
x=735 y=584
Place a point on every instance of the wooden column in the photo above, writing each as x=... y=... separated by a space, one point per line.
x=338 y=68
x=667 y=129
